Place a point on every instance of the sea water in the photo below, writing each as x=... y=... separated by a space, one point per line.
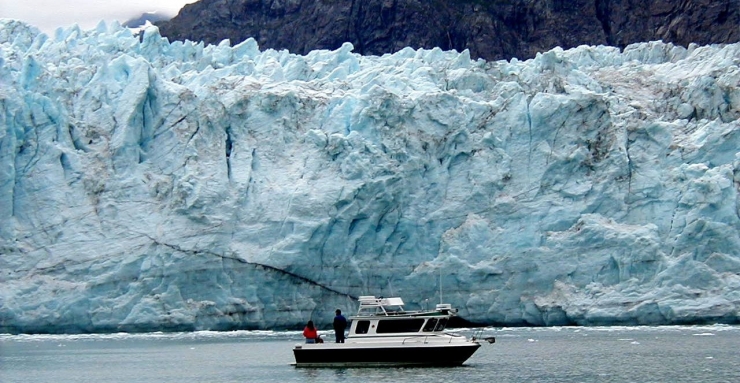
x=562 y=354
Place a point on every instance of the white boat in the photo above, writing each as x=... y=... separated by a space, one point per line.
x=384 y=334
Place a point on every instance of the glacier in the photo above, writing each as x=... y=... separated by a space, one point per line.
x=148 y=185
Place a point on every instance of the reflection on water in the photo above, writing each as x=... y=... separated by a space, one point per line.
x=565 y=354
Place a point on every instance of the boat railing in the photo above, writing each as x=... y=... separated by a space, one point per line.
x=414 y=337
x=449 y=337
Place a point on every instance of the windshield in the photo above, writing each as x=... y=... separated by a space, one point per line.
x=441 y=324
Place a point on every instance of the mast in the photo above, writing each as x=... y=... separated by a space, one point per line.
x=440 y=285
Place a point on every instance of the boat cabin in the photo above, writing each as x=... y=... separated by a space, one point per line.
x=386 y=317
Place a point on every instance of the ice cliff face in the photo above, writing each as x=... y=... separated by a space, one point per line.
x=154 y=186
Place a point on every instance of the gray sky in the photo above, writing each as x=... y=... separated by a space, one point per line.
x=47 y=15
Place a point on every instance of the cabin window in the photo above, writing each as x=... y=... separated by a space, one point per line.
x=441 y=325
x=431 y=323
x=399 y=325
x=362 y=327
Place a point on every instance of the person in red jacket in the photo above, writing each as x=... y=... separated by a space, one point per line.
x=312 y=336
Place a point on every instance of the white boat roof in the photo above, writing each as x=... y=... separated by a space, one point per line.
x=370 y=305
x=372 y=301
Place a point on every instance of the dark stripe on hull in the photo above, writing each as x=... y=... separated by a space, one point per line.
x=390 y=356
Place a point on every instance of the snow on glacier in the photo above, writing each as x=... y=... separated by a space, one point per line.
x=149 y=185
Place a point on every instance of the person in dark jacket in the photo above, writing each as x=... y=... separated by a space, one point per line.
x=340 y=324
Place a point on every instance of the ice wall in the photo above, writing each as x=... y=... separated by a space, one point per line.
x=148 y=185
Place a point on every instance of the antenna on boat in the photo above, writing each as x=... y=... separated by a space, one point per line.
x=440 y=285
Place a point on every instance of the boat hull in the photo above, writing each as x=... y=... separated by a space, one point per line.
x=350 y=355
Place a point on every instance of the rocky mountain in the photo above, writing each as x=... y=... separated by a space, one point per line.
x=142 y=19
x=493 y=29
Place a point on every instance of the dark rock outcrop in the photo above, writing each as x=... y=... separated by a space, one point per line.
x=493 y=29
x=141 y=20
